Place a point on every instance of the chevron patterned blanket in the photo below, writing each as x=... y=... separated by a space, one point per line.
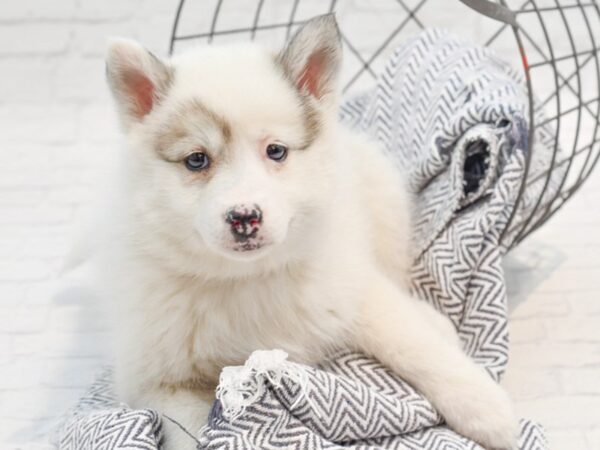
x=452 y=116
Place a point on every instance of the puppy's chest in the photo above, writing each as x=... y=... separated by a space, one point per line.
x=231 y=321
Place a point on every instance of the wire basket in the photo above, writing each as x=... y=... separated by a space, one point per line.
x=553 y=42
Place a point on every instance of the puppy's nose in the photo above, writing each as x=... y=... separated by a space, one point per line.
x=244 y=220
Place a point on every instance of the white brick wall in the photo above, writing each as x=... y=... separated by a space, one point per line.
x=56 y=133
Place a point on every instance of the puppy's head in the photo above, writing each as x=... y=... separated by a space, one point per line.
x=229 y=147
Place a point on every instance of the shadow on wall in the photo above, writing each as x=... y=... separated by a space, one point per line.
x=526 y=267
x=77 y=347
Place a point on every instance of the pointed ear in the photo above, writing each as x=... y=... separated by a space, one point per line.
x=313 y=58
x=137 y=78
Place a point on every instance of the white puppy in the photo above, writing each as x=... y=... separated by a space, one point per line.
x=250 y=219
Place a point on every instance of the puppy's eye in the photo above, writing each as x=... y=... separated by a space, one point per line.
x=197 y=161
x=277 y=152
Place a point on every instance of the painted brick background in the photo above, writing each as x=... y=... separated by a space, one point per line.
x=57 y=138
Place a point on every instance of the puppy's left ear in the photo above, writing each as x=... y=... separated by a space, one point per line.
x=312 y=59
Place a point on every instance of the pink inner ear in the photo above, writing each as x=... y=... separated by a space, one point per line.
x=141 y=91
x=310 y=79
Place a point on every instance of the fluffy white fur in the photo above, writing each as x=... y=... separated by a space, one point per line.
x=335 y=233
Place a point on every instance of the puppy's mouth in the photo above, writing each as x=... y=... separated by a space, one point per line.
x=248 y=247
x=249 y=251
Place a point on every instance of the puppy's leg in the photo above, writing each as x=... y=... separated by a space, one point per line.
x=393 y=329
x=436 y=319
x=189 y=408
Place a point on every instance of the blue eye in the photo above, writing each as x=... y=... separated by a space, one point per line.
x=277 y=152
x=197 y=161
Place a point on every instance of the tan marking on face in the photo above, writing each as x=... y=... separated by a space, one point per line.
x=190 y=127
x=197 y=108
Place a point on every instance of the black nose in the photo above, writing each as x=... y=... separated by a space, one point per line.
x=244 y=221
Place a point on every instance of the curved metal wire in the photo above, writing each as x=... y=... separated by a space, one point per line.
x=554 y=192
x=384 y=45
x=555 y=150
x=579 y=111
x=594 y=138
x=256 y=18
x=175 y=25
x=291 y=19
x=562 y=193
x=213 y=24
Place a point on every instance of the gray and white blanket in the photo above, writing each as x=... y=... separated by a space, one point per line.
x=453 y=117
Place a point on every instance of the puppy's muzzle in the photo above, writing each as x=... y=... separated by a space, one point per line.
x=244 y=221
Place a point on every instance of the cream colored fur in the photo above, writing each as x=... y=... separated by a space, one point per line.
x=336 y=224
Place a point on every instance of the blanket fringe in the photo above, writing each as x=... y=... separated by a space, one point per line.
x=241 y=386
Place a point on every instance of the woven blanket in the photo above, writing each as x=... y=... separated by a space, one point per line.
x=454 y=119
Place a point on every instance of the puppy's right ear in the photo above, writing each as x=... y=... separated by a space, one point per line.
x=312 y=60
x=137 y=78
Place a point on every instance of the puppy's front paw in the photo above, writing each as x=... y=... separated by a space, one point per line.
x=482 y=412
